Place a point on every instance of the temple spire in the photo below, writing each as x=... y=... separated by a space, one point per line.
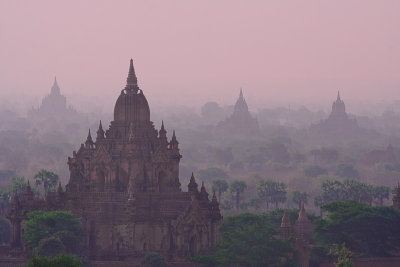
x=100 y=132
x=192 y=186
x=89 y=141
x=241 y=93
x=338 y=95
x=55 y=89
x=131 y=81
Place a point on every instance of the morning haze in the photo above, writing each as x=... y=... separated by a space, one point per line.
x=219 y=133
x=280 y=53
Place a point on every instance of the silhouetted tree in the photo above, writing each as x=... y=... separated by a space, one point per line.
x=237 y=188
x=299 y=197
x=53 y=232
x=48 y=178
x=272 y=192
x=220 y=186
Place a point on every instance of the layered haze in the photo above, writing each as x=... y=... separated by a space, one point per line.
x=187 y=53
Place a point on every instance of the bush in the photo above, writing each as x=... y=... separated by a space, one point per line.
x=154 y=259
x=59 y=261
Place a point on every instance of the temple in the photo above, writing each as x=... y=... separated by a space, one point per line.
x=124 y=185
x=241 y=121
x=301 y=232
x=338 y=127
x=54 y=104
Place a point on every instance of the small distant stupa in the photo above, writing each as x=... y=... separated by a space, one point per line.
x=338 y=125
x=240 y=121
x=54 y=104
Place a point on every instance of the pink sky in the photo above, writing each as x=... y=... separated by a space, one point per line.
x=189 y=52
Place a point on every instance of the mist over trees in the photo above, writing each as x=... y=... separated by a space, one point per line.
x=281 y=166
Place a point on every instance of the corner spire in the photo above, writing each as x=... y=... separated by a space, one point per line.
x=100 y=132
x=89 y=141
x=192 y=186
x=131 y=81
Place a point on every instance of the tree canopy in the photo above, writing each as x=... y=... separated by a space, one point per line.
x=365 y=230
x=59 y=261
x=249 y=240
x=51 y=233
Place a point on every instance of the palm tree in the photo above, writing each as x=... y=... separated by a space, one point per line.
x=237 y=188
x=220 y=186
x=300 y=197
x=272 y=192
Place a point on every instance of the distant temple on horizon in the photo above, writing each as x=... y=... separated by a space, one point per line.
x=337 y=127
x=241 y=121
x=125 y=188
x=54 y=104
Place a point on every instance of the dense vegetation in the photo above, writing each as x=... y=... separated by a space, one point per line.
x=250 y=240
x=367 y=231
x=52 y=233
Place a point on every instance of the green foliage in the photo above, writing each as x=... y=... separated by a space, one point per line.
x=343 y=255
x=249 y=240
x=366 y=230
x=154 y=259
x=211 y=174
x=51 y=233
x=346 y=170
x=271 y=192
x=50 y=247
x=59 y=261
x=48 y=178
x=314 y=171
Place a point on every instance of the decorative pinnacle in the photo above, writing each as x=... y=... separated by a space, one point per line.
x=241 y=93
x=89 y=137
x=338 y=95
x=162 y=129
x=173 y=139
x=100 y=126
x=131 y=80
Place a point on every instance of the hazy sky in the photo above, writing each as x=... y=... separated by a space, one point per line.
x=189 y=52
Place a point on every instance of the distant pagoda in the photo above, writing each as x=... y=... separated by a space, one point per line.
x=54 y=104
x=241 y=121
x=338 y=126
